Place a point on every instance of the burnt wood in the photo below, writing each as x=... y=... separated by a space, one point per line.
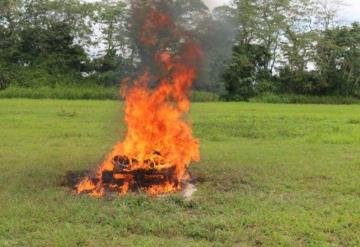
x=141 y=178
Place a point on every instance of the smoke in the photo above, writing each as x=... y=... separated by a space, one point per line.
x=215 y=3
x=170 y=35
x=217 y=42
x=194 y=20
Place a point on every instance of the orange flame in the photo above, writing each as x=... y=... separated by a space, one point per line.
x=157 y=137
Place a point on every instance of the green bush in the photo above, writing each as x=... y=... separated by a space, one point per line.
x=264 y=86
x=83 y=92
x=61 y=92
x=303 y=99
x=201 y=96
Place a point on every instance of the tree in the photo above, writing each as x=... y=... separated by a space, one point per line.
x=9 y=16
x=327 y=12
x=338 y=60
x=44 y=38
x=259 y=26
x=241 y=75
x=115 y=60
x=262 y=22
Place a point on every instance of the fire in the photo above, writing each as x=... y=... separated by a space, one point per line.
x=159 y=145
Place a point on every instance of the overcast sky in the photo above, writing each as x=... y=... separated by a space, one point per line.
x=349 y=13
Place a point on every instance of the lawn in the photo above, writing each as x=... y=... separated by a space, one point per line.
x=270 y=175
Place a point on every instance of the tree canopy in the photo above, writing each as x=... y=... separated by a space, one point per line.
x=250 y=46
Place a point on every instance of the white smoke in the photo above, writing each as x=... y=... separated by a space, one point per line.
x=214 y=3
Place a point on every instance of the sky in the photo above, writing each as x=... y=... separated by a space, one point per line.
x=349 y=13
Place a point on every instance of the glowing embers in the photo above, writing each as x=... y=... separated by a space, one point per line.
x=152 y=176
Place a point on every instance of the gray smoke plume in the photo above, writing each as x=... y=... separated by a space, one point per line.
x=193 y=18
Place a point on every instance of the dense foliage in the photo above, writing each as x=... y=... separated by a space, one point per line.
x=291 y=47
x=252 y=47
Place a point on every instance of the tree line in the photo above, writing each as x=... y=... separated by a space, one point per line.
x=251 y=47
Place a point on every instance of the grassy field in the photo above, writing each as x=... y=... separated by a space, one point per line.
x=270 y=175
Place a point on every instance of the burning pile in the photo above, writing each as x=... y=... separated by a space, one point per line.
x=159 y=146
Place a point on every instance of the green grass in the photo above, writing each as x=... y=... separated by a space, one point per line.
x=270 y=175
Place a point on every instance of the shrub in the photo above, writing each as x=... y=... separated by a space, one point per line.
x=303 y=99
x=61 y=92
x=82 y=92
x=202 y=96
